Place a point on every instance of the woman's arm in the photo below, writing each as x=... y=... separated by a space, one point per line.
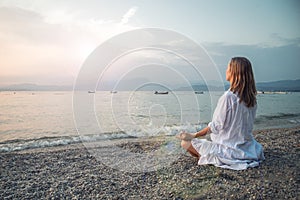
x=190 y=136
x=203 y=132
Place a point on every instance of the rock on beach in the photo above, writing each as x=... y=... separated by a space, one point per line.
x=70 y=172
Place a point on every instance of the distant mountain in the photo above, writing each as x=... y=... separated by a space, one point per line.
x=35 y=87
x=200 y=87
x=283 y=85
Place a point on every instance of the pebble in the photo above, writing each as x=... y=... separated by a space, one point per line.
x=75 y=174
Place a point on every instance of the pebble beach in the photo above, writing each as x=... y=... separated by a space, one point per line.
x=70 y=172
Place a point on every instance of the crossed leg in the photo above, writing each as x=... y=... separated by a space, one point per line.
x=189 y=147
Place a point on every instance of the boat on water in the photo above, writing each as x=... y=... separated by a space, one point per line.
x=199 y=92
x=272 y=92
x=161 y=92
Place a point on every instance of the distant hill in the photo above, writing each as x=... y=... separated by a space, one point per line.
x=35 y=87
x=200 y=87
x=283 y=85
x=274 y=86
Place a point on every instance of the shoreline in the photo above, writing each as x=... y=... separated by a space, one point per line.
x=69 y=141
x=71 y=172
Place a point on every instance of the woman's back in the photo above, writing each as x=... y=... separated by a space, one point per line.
x=235 y=121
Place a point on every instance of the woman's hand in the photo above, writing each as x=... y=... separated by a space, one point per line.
x=185 y=136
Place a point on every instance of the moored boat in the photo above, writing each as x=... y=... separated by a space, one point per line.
x=161 y=92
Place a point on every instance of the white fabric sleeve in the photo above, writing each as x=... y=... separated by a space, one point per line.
x=221 y=114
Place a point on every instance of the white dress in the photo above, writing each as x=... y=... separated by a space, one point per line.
x=232 y=144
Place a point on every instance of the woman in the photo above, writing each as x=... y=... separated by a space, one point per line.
x=232 y=144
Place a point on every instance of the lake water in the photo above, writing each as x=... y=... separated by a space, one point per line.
x=43 y=119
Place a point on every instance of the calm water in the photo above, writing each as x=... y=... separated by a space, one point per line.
x=42 y=119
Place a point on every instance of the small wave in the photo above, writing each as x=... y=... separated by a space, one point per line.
x=294 y=121
x=19 y=144
x=140 y=116
x=175 y=129
x=261 y=118
x=280 y=120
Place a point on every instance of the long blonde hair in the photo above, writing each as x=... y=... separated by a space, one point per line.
x=242 y=80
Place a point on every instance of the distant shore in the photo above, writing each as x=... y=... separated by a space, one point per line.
x=71 y=172
x=271 y=86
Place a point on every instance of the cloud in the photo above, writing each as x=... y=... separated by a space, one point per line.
x=130 y=13
x=279 y=41
x=31 y=46
x=35 y=44
x=269 y=63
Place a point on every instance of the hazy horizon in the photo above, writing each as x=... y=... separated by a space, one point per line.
x=134 y=85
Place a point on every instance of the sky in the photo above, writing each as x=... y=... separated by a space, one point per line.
x=46 y=42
